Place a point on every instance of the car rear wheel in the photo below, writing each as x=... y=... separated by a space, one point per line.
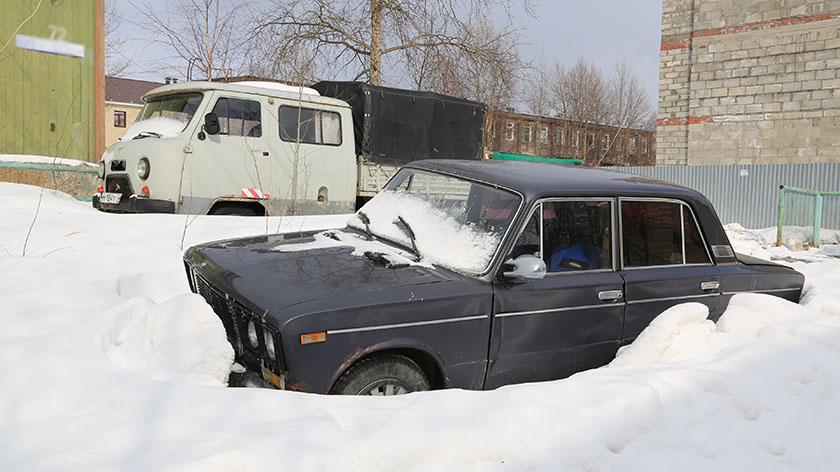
x=388 y=374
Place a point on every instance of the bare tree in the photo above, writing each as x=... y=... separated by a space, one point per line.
x=204 y=35
x=629 y=104
x=361 y=34
x=115 y=60
x=581 y=97
x=490 y=75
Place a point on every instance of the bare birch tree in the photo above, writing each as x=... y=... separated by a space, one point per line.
x=361 y=34
x=581 y=96
x=205 y=35
x=629 y=104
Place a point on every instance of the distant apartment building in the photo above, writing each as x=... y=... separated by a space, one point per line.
x=123 y=103
x=541 y=136
x=749 y=82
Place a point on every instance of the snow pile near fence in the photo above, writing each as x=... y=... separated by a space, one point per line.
x=32 y=159
x=111 y=364
x=165 y=127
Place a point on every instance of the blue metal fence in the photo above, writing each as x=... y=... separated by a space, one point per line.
x=748 y=194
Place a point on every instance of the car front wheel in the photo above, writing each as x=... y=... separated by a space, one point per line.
x=388 y=374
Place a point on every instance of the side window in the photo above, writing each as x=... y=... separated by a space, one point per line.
x=577 y=235
x=238 y=117
x=655 y=233
x=310 y=126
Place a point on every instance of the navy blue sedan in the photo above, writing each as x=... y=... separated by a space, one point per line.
x=465 y=274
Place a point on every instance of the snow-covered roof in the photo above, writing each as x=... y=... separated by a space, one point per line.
x=270 y=89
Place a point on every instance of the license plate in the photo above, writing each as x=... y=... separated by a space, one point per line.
x=113 y=198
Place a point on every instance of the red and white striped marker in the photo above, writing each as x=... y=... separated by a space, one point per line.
x=253 y=193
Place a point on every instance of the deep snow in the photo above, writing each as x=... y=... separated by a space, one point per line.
x=111 y=364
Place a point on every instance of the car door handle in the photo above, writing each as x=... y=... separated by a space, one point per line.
x=706 y=286
x=609 y=295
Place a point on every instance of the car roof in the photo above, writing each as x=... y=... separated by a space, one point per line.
x=541 y=179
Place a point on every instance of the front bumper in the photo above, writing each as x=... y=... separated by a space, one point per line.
x=135 y=205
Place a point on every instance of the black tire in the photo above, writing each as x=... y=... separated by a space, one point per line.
x=386 y=374
x=233 y=211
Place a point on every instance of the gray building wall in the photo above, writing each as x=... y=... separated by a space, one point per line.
x=749 y=82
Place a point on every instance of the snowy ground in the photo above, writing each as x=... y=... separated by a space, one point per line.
x=111 y=364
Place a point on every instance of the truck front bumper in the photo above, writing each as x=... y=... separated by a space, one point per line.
x=135 y=205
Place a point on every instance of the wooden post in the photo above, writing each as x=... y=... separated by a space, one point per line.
x=99 y=78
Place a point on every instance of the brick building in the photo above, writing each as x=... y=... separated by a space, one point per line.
x=749 y=82
x=123 y=103
x=520 y=133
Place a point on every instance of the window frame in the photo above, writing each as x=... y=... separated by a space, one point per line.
x=543 y=135
x=119 y=117
x=317 y=110
x=232 y=97
x=510 y=131
x=538 y=206
x=527 y=133
x=683 y=206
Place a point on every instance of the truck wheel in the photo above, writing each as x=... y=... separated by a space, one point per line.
x=387 y=374
x=233 y=210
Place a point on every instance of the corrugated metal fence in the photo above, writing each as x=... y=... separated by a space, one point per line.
x=749 y=194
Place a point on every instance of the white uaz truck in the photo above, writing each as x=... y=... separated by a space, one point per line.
x=263 y=148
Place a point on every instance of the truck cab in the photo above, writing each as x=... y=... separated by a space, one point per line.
x=269 y=149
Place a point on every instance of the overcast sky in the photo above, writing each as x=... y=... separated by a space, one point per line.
x=604 y=31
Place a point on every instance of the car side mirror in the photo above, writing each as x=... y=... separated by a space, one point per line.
x=211 y=123
x=526 y=266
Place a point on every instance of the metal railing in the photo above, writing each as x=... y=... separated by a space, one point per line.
x=817 y=209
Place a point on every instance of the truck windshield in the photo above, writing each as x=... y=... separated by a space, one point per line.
x=456 y=223
x=166 y=116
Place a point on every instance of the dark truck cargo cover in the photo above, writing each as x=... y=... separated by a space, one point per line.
x=394 y=127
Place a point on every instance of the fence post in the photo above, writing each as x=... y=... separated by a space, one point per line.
x=781 y=215
x=817 y=220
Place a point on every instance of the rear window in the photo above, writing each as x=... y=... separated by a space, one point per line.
x=309 y=126
x=660 y=233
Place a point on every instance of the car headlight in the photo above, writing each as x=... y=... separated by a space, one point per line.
x=252 y=335
x=269 y=345
x=101 y=171
x=143 y=168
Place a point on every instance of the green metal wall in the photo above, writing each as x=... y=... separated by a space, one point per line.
x=47 y=102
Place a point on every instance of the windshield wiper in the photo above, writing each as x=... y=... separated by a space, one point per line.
x=146 y=134
x=401 y=224
x=366 y=221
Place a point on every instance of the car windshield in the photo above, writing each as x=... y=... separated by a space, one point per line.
x=453 y=222
x=165 y=116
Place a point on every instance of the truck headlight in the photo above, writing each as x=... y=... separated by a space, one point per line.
x=269 y=345
x=101 y=171
x=252 y=335
x=143 y=168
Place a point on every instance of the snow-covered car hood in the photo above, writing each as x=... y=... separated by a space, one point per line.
x=258 y=272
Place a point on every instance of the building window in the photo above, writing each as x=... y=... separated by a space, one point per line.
x=559 y=138
x=510 y=130
x=544 y=135
x=119 y=119
x=644 y=143
x=526 y=133
x=631 y=145
x=605 y=141
x=577 y=139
